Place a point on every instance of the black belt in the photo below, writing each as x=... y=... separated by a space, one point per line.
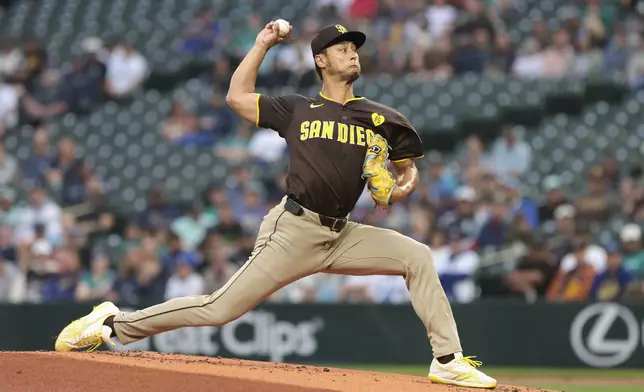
x=335 y=224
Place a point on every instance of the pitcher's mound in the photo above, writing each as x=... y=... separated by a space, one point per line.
x=146 y=371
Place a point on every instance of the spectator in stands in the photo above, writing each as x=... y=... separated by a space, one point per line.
x=463 y=218
x=126 y=71
x=330 y=9
x=539 y=34
x=594 y=255
x=8 y=168
x=33 y=63
x=510 y=157
x=529 y=61
x=244 y=248
x=10 y=95
x=216 y=120
x=87 y=80
x=218 y=268
x=574 y=284
x=49 y=97
x=96 y=283
x=559 y=57
x=611 y=284
x=296 y=55
x=181 y=125
x=8 y=247
x=12 y=282
x=631 y=239
x=221 y=73
x=159 y=213
x=502 y=55
x=617 y=54
x=635 y=66
x=387 y=289
x=593 y=22
x=76 y=240
x=357 y=289
x=419 y=42
x=201 y=35
x=238 y=184
x=36 y=166
x=235 y=147
x=69 y=173
x=473 y=159
x=300 y=291
x=560 y=243
x=10 y=215
x=496 y=228
x=474 y=55
x=215 y=197
x=612 y=174
x=228 y=227
x=97 y=217
x=506 y=11
x=588 y=60
x=41 y=209
x=456 y=265
x=253 y=210
x=141 y=278
x=598 y=201
x=554 y=197
x=176 y=253
x=473 y=16
x=533 y=273
x=185 y=281
x=60 y=284
x=77 y=92
x=442 y=182
x=243 y=37
x=521 y=205
x=441 y=17
x=438 y=60
x=632 y=192
x=266 y=146
x=10 y=61
x=192 y=227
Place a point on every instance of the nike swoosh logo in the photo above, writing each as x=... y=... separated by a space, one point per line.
x=313 y=106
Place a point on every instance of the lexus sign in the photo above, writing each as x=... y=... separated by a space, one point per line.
x=589 y=335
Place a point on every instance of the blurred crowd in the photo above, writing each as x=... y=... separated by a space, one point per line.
x=61 y=238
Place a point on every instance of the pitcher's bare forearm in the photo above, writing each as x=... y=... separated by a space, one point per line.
x=407 y=180
x=241 y=94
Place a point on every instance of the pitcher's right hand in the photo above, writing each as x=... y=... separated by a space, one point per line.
x=268 y=37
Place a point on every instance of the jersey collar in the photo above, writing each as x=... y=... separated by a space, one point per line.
x=345 y=102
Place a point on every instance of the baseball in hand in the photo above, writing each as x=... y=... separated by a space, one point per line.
x=282 y=27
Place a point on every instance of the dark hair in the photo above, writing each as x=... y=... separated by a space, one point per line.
x=318 y=69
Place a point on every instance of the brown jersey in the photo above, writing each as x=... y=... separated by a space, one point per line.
x=327 y=143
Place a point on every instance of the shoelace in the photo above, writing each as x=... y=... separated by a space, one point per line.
x=468 y=361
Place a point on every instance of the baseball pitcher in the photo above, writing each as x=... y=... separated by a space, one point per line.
x=338 y=143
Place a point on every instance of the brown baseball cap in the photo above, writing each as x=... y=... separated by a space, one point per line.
x=333 y=34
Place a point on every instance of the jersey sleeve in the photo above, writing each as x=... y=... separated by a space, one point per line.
x=275 y=112
x=405 y=142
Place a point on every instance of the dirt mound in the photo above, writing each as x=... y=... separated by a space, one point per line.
x=146 y=371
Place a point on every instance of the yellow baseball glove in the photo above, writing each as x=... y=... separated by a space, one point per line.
x=380 y=181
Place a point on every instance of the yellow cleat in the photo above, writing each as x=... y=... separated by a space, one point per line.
x=87 y=333
x=461 y=371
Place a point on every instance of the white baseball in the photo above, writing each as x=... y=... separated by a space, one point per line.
x=282 y=27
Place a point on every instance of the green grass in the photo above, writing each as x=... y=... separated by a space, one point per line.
x=532 y=375
x=584 y=388
x=420 y=370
